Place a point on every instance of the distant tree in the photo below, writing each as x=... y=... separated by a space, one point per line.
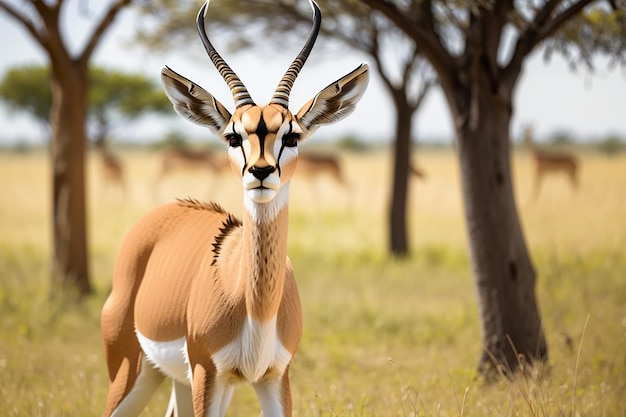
x=478 y=49
x=407 y=78
x=114 y=97
x=611 y=145
x=561 y=138
x=27 y=89
x=69 y=79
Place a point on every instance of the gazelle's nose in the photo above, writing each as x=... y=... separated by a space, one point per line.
x=262 y=172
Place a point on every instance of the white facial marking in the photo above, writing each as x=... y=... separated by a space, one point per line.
x=237 y=154
x=289 y=153
x=266 y=212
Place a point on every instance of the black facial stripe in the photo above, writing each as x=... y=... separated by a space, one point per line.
x=261 y=132
x=282 y=146
x=245 y=160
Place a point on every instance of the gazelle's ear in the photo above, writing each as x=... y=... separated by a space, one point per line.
x=335 y=101
x=193 y=102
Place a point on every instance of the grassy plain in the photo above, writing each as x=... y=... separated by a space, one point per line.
x=382 y=337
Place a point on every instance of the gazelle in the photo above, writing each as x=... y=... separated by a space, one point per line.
x=188 y=158
x=111 y=166
x=312 y=165
x=199 y=296
x=417 y=172
x=554 y=162
x=183 y=159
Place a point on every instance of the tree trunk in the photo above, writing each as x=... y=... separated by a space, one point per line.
x=398 y=235
x=505 y=279
x=68 y=115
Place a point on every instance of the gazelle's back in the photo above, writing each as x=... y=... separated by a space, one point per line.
x=158 y=260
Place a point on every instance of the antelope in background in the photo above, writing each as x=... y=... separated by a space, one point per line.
x=316 y=164
x=182 y=158
x=418 y=172
x=185 y=159
x=553 y=162
x=310 y=165
x=204 y=298
x=111 y=166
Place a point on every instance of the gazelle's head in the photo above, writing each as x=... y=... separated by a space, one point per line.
x=263 y=140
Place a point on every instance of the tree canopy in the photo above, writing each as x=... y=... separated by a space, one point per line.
x=27 y=89
x=114 y=96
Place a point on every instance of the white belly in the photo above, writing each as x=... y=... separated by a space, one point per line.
x=169 y=357
x=256 y=350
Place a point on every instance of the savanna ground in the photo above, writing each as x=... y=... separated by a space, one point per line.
x=382 y=337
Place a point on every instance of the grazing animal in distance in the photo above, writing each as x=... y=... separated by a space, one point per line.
x=199 y=296
x=553 y=162
x=175 y=158
x=315 y=164
x=111 y=166
x=418 y=172
x=186 y=160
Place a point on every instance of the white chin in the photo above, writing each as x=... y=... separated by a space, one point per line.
x=261 y=195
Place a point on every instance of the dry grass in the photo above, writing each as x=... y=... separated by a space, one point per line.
x=382 y=337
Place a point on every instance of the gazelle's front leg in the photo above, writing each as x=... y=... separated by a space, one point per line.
x=180 y=404
x=211 y=394
x=275 y=395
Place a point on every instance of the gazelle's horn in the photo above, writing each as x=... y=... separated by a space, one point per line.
x=281 y=96
x=237 y=89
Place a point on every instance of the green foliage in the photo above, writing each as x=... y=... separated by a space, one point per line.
x=27 y=89
x=112 y=95
x=129 y=95
x=172 y=139
x=611 y=145
x=598 y=31
x=351 y=143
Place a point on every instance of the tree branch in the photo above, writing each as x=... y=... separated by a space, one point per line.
x=424 y=36
x=544 y=14
x=101 y=28
x=541 y=28
x=556 y=23
x=27 y=24
x=374 y=53
x=423 y=91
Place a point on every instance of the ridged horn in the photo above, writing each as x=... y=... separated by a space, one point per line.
x=237 y=89
x=281 y=95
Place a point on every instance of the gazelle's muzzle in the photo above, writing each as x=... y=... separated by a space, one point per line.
x=261 y=184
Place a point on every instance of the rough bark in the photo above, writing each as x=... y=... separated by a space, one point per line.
x=68 y=114
x=398 y=230
x=511 y=325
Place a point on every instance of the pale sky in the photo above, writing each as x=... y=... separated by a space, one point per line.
x=549 y=95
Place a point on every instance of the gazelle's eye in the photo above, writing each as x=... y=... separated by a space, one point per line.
x=291 y=139
x=234 y=140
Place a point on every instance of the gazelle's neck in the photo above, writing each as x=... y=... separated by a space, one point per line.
x=264 y=254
